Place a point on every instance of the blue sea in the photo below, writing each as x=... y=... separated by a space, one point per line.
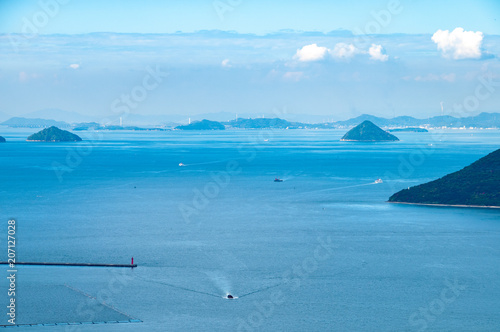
x=320 y=251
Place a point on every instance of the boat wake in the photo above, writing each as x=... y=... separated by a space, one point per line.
x=220 y=281
x=339 y=188
x=260 y=290
x=206 y=163
x=228 y=295
x=177 y=287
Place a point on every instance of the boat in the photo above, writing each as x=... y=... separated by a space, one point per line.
x=181 y=164
x=229 y=296
x=278 y=180
x=379 y=181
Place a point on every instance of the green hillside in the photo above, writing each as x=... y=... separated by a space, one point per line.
x=261 y=123
x=476 y=184
x=203 y=125
x=54 y=134
x=368 y=132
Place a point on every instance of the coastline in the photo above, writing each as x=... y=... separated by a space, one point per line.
x=450 y=205
x=33 y=140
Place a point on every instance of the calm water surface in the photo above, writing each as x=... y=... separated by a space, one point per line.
x=321 y=251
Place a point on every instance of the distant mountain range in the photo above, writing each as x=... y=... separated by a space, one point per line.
x=17 y=122
x=59 y=115
x=4 y=116
x=132 y=119
x=54 y=117
x=485 y=120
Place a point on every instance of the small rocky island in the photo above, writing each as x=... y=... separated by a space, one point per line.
x=53 y=134
x=367 y=131
x=202 y=125
x=2 y=140
x=477 y=185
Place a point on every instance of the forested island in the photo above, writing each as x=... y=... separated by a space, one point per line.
x=53 y=134
x=262 y=123
x=367 y=131
x=476 y=185
x=203 y=125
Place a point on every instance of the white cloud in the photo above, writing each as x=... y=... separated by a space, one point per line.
x=448 y=77
x=225 y=63
x=294 y=76
x=459 y=44
x=74 y=66
x=344 y=51
x=433 y=77
x=23 y=77
x=376 y=53
x=311 y=52
x=341 y=51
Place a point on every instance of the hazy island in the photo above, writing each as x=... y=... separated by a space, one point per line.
x=476 y=185
x=261 y=123
x=91 y=126
x=53 y=134
x=20 y=122
x=2 y=140
x=367 y=131
x=148 y=122
x=202 y=125
x=415 y=130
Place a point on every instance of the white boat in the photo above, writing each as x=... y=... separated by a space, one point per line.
x=379 y=181
x=181 y=164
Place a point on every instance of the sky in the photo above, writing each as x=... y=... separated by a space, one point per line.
x=337 y=59
x=249 y=16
